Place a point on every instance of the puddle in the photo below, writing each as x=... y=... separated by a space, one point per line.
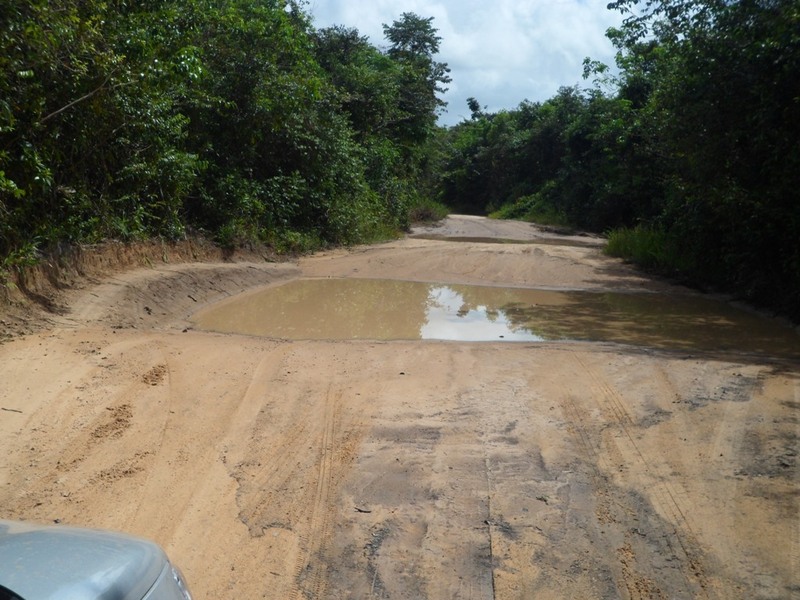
x=344 y=309
x=550 y=241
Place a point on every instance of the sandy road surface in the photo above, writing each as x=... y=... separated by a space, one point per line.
x=406 y=470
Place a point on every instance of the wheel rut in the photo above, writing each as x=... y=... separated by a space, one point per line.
x=611 y=444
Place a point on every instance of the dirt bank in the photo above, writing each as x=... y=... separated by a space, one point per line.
x=406 y=470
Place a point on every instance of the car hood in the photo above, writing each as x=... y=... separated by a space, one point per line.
x=59 y=563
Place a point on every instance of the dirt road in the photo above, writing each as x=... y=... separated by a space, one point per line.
x=407 y=469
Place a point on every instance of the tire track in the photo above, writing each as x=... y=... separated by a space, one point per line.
x=295 y=488
x=624 y=448
x=599 y=482
x=311 y=566
x=258 y=508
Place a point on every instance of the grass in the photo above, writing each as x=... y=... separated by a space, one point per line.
x=427 y=211
x=534 y=209
x=648 y=247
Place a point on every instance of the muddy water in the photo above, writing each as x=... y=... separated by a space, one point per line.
x=560 y=241
x=340 y=309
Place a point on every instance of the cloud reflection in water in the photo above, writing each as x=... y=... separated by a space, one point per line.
x=449 y=317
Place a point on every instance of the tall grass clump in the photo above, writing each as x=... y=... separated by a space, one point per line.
x=535 y=208
x=647 y=246
x=426 y=210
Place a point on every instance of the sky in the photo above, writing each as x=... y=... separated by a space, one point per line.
x=499 y=51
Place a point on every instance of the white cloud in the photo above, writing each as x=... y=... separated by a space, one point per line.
x=500 y=52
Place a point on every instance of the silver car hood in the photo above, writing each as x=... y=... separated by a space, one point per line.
x=61 y=563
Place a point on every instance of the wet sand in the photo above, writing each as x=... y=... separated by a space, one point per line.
x=271 y=468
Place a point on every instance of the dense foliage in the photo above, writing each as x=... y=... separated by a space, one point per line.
x=238 y=119
x=129 y=119
x=691 y=154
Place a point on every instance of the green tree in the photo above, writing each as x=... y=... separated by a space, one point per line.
x=130 y=119
x=724 y=98
x=367 y=82
x=90 y=141
x=413 y=46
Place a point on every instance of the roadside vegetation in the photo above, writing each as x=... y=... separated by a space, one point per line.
x=687 y=154
x=236 y=120
x=241 y=122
